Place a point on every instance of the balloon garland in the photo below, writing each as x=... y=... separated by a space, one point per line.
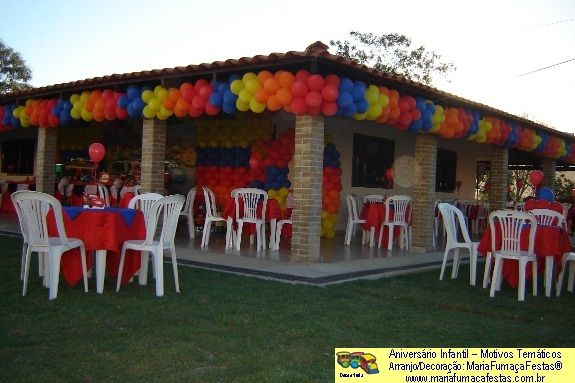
x=299 y=93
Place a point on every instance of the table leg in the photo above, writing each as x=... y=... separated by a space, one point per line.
x=548 y=275
x=100 y=270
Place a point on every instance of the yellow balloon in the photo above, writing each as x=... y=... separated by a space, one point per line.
x=245 y=96
x=161 y=92
x=236 y=86
x=86 y=116
x=249 y=76
x=85 y=96
x=252 y=86
x=148 y=112
x=75 y=97
x=242 y=106
x=372 y=94
x=256 y=107
x=76 y=113
x=383 y=100
x=155 y=104
x=374 y=112
x=147 y=95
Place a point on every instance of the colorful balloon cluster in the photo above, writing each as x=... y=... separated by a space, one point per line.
x=299 y=93
x=97 y=105
x=231 y=133
x=331 y=190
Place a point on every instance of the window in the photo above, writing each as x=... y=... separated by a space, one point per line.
x=372 y=156
x=18 y=156
x=445 y=171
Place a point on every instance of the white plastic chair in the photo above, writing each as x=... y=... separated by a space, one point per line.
x=32 y=208
x=454 y=222
x=211 y=216
x=169 y=207
x=281 y=223
x=400 y=204
x=436 y=222
x=247 y=200
x=352 y=220
x=188 y=212
x=510 y=224
x=567 y=258
x=373 y=198
x=480 y=222
x=520 y=206
x=138 y=190
x=104 y=193
x=144 y=203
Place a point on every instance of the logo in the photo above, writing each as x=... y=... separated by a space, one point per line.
x=358 y=359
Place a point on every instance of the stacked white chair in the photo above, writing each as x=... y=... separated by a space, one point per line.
x=352 y=220
x=211 y=216
x=188 y=212
x=104 y=193
x=246 y=201
x=401 y=206
x=454 y=222
x=480 y=222
x=373 y=198
x=510 y=224
x=155 y=243
x=32 y=208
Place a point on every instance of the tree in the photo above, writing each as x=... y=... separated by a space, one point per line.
x=393 y=53
x=14 y=73
x=563 y=188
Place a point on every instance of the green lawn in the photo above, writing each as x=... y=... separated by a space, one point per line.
x=227 y=328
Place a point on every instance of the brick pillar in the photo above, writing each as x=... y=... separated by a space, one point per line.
x=498 y=178
x=548 y=167
x=46 y=160
x=424 y=193
x=153 y=155
x=307 y=189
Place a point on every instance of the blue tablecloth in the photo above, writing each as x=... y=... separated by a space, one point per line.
x=127 y=214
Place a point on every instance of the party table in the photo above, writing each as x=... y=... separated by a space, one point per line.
x=273 y=213
x=550 y=244
x=103 y=231
x=374 y=215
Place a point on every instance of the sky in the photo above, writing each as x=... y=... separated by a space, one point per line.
x=493 y=43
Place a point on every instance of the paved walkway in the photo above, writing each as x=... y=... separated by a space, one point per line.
x=339 y=262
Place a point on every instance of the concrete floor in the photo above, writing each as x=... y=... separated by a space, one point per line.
x=339 y=262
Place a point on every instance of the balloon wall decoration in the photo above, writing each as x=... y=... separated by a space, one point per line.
x=299 y=93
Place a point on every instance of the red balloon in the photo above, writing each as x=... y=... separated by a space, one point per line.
x=329 y=93
x=97 y=152
x=315 y=82
x=313 y=99
x=458 y=184
x=536 y=177
x=299 y=89
x=298 y=106
x=389 y=173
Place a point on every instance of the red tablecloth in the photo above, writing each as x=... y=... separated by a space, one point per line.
x=549 y=241
x=273 y=211
x=6 y=205
x=374 y=215
x=100 y=230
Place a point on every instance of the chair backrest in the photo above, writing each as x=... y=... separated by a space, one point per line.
x=189 y=205
x=351 y=206
x=104 y=193
x=247 y=200
x=373 y=198
x=453 y=220
x=464 y=206
x=547 y=217
x=401 y=208
x=138 y=190
x=566 y=207
x=210 y=198
x=144 y=203
x=169 y=207
x=32 y=208
x=509 y=224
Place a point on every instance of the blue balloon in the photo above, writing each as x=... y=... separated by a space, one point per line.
x=362 y=106
x=345 y=85
x=546 y=194
x=232 y=78
x=344 y=99
x=133 y=92
x=229 y=108
x=358 y=92
x=216 y=99
x=230 y=98
x=350 y=110
x=123 y=101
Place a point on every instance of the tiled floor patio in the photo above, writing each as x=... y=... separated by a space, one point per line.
x=339 y=262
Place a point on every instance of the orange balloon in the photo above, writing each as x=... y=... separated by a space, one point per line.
x=261 y=96
x=284 y=96
x=285 y=79
x=273 y=103
x=271 y=86
x=263 y=76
